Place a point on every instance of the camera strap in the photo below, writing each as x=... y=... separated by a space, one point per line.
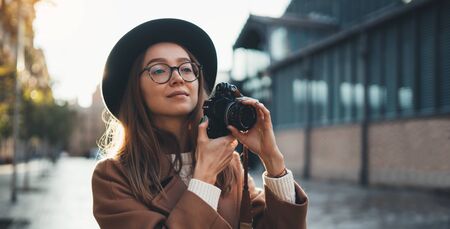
x=245 y=218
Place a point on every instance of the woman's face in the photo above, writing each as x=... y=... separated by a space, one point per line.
x=176 y=98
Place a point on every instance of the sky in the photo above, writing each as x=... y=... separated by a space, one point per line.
x=77 y=35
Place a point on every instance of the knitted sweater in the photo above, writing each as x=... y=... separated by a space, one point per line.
x=282 y=187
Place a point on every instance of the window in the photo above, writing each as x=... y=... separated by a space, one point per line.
x=279 y=43
x=406 y=88
x=285 y=96
x=427 y=60
x=299 y=90
x=445 y=55
x=248 y=63
x=359 y=84
x=346 y=83
x=391 y=70
x=319 y=90
x=329 y=78
x=336 y=82
x=375 y=84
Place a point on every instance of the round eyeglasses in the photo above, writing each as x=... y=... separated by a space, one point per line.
x=161 y=73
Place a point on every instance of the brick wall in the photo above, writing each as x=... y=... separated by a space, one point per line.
x=410 y=152
x=335 y=153
x=291 y=144
x=413 y=152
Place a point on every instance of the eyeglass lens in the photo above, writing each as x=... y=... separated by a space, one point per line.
x=161 y=73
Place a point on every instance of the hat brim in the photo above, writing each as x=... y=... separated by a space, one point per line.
x=137 y=40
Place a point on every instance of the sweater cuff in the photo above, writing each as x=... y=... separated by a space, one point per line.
x=207 y=192
x=282 y=187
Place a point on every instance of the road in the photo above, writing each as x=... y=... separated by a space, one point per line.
x=59 y=196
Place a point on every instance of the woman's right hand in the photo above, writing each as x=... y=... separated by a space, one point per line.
x=212 y=155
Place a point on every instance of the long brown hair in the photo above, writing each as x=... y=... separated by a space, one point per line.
x=143 y=149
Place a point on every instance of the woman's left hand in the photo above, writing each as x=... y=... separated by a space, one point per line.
x=260 y=139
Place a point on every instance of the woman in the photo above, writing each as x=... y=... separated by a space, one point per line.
x=164 y=171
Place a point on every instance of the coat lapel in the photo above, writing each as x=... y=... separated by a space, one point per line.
x=174 y=190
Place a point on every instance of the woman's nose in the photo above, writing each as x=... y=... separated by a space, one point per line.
x=176 y=78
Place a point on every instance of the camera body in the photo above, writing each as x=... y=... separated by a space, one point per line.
x=222 y=109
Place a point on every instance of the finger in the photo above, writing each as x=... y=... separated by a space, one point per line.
x=250 y=101
x=229 y=156
x=261 y=116
x=226 y=139
x=225 y=162
x=202 y=135
x=262 y=112
x=266 y=113
x=234 y=144
x=242 y=98
x=225 y=156
x=263 y=108
x=255 y=104
x=235 y=132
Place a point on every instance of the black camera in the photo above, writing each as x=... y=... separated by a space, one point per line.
x=222 y=109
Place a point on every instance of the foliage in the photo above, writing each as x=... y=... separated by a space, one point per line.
x=47 y=121
x=7 y=85
x=40 y=117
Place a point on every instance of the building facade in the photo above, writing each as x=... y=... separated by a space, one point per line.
x=89 y=127
x=360 y=90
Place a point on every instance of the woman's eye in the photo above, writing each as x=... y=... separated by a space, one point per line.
x=158 y=71
x=186 y=69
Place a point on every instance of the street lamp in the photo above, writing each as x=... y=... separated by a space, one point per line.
x=20 y=67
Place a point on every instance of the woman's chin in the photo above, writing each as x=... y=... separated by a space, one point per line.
x=178 y=111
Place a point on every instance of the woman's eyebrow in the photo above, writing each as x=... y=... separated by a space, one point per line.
x=181 y=59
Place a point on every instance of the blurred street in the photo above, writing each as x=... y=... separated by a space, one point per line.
x=358 y=93
x=59 y=196
x=348 y=206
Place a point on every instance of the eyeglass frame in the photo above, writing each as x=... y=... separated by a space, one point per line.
x=146 y=69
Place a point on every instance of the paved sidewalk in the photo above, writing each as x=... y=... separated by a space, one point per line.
x=348 y=206
x=60 y=197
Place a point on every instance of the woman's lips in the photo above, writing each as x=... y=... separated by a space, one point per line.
x=178 y=94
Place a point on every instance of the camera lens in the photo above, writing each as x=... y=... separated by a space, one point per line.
x=243 y=117
x=247 y=115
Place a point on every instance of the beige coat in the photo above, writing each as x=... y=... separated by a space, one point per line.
x=116 y=207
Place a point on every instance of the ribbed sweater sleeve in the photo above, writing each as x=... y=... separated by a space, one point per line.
x=282 y=187
x=207 y=192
